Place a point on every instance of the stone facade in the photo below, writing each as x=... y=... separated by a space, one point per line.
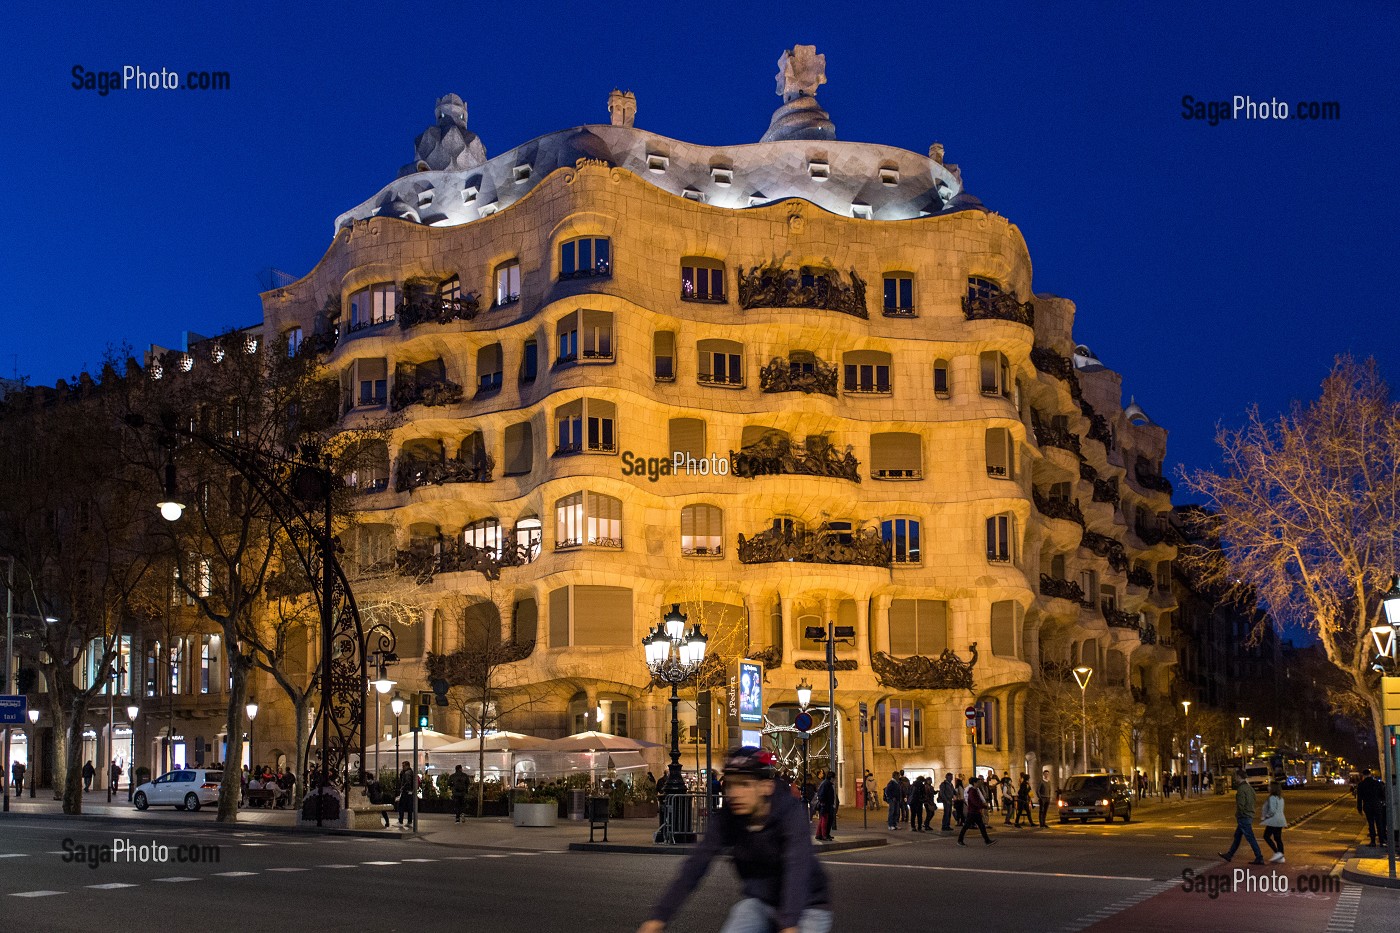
x=918 y=379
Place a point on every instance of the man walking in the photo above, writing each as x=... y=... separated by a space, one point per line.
x=826 y=806
x=17 y=777
x=916 y=805
x=458 y=781
x=976 y=806
x=894 y=798
x=946 y=795
x=1370 y=803
x=408 y=792
x=1023 y=801
x=114 y=776
x=1244 y=818
x=1042 y=794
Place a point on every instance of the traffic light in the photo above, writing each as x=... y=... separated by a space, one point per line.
x=421 y=718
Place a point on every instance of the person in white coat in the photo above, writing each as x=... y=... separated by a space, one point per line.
x=1274 y=821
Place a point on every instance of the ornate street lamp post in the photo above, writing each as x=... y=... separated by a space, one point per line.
x=1081 y=677
x=674 y=656
x=33 y=740
x=804 y=700
x=396 y=707
x=1385 y=638
x=252 y=710
x=133 y=710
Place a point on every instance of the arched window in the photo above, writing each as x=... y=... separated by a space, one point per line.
x=507 y=283
x=702 y=530
x=489 y=365
x=529 y=533
x=902 y=535
x=520 y=448
x=867 y=372
x=585 y=257
x=586 y=424
x=484 y=535
x=585 y=335
x=588 y=518
x=721 y=363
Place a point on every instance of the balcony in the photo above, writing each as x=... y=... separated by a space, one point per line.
x=579 y=447
x=899 y=312
x=431 y=394
x=998 y=307
x=782 y=375
x=772 y=286
x=945 y=672
x=422 y=560
x=1148 y=477
x=703 y=550
x=776 y=545
x=426 y=307
x=779 y=456
x=1148 y=635
x=1061 y=589
x=1061 y=367
x=1107 y=548
x=1117 y=618
x=1099 y=428
x=1140 y=577
x=414 y=473
x=1148 y=534
x=896 y=474
x=733 y=381
x=599 y=270
x=1052 y=435
x=1106 y=490
x=1066 y=509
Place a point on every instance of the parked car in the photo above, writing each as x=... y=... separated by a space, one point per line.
x=1096 y=796
x=186 y=789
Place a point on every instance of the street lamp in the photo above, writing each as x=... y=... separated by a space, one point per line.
x=252 y=710
x=674 y=656
x=396 y=707
x=132 y=711
x=1243 y=720
x=804 y=700
x=33 y=739
x=382 y=685
x=1186 y=714
x=171 y=508
x=1081 y=677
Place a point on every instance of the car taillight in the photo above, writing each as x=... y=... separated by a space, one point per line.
x=208 y=785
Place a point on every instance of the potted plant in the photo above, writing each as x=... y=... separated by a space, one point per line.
x=536 y=807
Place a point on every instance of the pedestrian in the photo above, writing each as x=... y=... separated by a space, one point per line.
x=89 y=772
x=1140 y=785
x=826 y=806
x=904 y=798
x=408 y=792
x=765 y=832
x=1008 y=798
x=959 y=801
x=894 y=798
x=1274 y=821
x=946 y=793
x=976 y=806
x=916 y=805
x=114 y=776
x=1370 y=803
x=1244 y=819
x=375 y=792
x=1042 y=794
x=1023 y=801
x=459 y=781
x=867 y=783
x=17 y=777
x=930 y=803
x=1181 y=785
x=991 y=790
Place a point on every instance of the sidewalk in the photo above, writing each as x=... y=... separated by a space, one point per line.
x=1369 y=865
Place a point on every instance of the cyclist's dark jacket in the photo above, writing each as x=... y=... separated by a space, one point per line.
x=776 y=861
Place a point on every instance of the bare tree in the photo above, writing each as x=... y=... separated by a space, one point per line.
x=1306 y=506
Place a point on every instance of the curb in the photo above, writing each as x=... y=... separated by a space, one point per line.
x=657 y=849
x=1352 y=872
x=159 y=823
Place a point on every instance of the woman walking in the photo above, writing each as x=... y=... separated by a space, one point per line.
x=1274 y=821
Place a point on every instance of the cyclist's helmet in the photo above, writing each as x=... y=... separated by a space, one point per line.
x=752 y=761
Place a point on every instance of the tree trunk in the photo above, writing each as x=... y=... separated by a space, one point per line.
x=73 y=752
x=60 y=747
x=303 y=748
x=230 y=788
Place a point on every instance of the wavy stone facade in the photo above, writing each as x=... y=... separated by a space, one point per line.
x=917 y=399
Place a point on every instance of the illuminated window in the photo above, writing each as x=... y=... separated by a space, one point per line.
x=508 y=282
x=702 y=279
x=899 y=724
x=588 y=518
x=702 y=530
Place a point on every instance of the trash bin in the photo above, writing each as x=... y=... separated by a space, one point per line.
x=577 y=800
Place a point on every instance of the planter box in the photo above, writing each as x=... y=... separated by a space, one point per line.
x=536 y=814
x=639 y=811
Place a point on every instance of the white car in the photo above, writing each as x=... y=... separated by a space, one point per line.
x=186 y=789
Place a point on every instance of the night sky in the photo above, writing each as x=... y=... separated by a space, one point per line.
x=1214 y=266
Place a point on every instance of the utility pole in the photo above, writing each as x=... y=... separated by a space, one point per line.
x=9 y=670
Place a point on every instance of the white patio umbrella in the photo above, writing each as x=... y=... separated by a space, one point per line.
x=594 y=743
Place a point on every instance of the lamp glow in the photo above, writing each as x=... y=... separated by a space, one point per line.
x=804 y=694
x=170 y=510
x=396 y=704
x=251 y=709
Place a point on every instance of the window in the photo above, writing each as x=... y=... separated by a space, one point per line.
x=996 y=374
x=862 y=211
x=508 y=283
x=819 y=170
x=721 y=363
x=902 y=535
x=585 y=257
x=918 y=627
x=980 y=291
x=488 y=366
x=529 y=361
x=899 y=724
x=369 y=468
x=899 y=294
x=521 y=173
x=484 y=535
x=1089 y=584
x=450 y=292
x=373 y=305
x=366 y=383
x=702 y=530
x=988 y=722
x=586 y=424
x=1001 y=531
x=721 y=175
x=1164 y=575
x=206 y=661
x=663 y=344
x=590 y=615
x=889 y=175
x=896 y=455
x=688 y=437
x=1108 y=597
x=595 y=330
x=520 y=448
x=1005 y=628
x=1001 y=453
x=294 y=339
x=942 y=385
x=702 y=279
x=867 y=372
x=529 y=534
x=373 y=548
x=588 y=518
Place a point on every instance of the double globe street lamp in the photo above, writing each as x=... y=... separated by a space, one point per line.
x=674 y=656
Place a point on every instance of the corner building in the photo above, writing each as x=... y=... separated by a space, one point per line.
x=912 y=445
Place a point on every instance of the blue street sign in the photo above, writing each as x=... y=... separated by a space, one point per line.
x=803 y=722
x=12 y=710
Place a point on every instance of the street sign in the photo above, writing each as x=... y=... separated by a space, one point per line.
x=864 y=717
x=970 y=712
x=803 y=722
x=12 y=709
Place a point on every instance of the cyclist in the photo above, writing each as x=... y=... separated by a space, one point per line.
x=766 y=833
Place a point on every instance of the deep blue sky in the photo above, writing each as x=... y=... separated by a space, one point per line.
x=1213 y=266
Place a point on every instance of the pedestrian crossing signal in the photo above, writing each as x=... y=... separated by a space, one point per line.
x=422 y=713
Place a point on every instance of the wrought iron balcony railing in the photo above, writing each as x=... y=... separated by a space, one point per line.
x=782 y=456
x=1149 y=478
x=773 y=286
x=430 y=308
x=822 y=546
x=431 y=394
x=1140 y=576
x=782 y=375
x=1067 y=509
x=1051 y=435
x=416 y=472
x=1061 y=589
x=1000 y=307
x=1118 y=618
x=1107 y=548
x=1106 y=490
x=423 y=560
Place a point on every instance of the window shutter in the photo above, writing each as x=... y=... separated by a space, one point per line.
x=688 y=437
x=997 y=464
x=559 y=617
x=602 y=615
x=1004 y=629
x=903 y=628
x=525 y=626
x=989 y=372
x=933 y=627
x=895 y=451
x=488 y=359
x=520 y=449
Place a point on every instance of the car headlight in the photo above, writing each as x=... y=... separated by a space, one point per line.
x=1103 y=803
x=1061 y=803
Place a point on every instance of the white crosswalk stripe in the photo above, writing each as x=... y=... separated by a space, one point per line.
x=35 y=893
x=111 y=886
x=234 y=874
x=175 y=879
x=289 y=869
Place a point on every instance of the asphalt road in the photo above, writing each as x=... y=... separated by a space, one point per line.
x=1065 y=878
